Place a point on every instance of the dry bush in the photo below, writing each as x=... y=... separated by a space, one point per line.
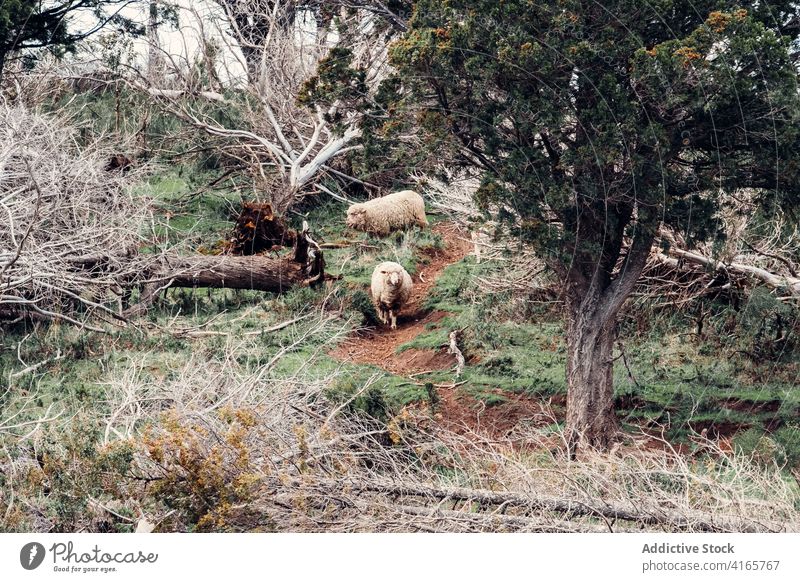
x=297 y=461
x=71 y=229
x=219 y=447
x=29 y=88
x=771 y=242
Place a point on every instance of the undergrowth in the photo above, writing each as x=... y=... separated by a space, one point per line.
x=81 y=457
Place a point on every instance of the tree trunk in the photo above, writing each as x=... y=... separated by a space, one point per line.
x=258 y=273
x=153 y=53
x=598 y=284
x=591 y=421
x=305 y=266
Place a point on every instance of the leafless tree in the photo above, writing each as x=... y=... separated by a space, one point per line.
x=71 y=228
x=286 y=142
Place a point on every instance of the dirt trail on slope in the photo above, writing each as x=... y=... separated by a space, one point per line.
x=378 y=346
x=458 y=411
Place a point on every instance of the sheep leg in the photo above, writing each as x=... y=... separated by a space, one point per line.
x=393 y=315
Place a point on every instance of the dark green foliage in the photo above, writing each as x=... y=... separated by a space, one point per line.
x=375 y=393
x=35 y=24
x=335 y=80
x=768 y=327
x=128 y=112
x=300 y=299
x=386 y=158
x=756 y=444
x=594 y=125
x=371 y=401
x=433 y=397
x=590 y=113
x=75 y=467
x=788 y=437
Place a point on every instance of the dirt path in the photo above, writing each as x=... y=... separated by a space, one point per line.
x=458 y=411
x=378 y=346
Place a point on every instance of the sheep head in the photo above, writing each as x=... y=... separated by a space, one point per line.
x=356 y=216
x=392 y=278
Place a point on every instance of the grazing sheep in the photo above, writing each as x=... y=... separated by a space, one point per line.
x=383 y=215
x=391 y=288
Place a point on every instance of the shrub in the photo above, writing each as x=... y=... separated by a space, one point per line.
x=206 y=470
x=788 y=437
x=756 y=444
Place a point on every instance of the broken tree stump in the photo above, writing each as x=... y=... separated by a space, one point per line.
x=258 y=229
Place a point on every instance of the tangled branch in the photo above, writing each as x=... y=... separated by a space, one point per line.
x=71 y=229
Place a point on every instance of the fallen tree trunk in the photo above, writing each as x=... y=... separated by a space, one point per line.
x=675 y=256
x=378 y=510
x=568 y=507
x=304 y=267
x=256 y=272
x=491 y=522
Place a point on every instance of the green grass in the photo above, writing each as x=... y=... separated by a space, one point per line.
x=356 y=262
x=512 y=345
x=188 y=212
x=674 y=379
x=199 y=218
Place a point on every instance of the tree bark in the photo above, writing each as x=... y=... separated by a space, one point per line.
x=305 y=266
x=153 y=54
x=594 y=298
x=258 y=273
x=591 y=421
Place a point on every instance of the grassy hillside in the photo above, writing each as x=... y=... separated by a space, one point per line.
x=120 y=404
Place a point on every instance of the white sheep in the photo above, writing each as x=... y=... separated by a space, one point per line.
x=391 y=288
x=392 y=212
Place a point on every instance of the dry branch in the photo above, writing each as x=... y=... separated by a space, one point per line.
x=569 y=508
x=201 y=333
x=71 y=229
x=461 y=362
x=790 y=285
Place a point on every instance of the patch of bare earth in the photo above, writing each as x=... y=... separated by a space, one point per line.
x=463 y=414
x=457 y=411
x=378 y=346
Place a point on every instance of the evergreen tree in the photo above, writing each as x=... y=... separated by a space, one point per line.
x=597 y=123
x=28 y=24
